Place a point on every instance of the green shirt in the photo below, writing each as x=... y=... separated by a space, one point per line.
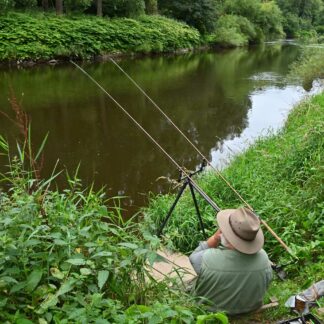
x=232 y=281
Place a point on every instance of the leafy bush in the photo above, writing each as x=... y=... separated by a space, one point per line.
x=270 y=20
x=291 y=25
x=29 y=37
x=65 y=257
x=5 y=5
x=280 y=176
x=266 y=15
x=233 y=31
x=200 y=14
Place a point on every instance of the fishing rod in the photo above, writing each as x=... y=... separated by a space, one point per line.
x=220 y=175
x=188 y=176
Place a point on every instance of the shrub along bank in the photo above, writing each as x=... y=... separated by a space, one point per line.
x=44 y=37
x=67 y=258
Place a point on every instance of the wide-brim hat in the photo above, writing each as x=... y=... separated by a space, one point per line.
x=241 y=228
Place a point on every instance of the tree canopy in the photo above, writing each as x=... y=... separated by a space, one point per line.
x=268 y=19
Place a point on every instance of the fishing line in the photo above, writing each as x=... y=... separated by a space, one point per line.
x=180 y=131
x=198 y=151
x=196 y=186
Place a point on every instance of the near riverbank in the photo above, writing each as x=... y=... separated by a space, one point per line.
x=281 y=176
x=67 y=257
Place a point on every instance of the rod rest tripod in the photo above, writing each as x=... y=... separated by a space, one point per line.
x=186 y=182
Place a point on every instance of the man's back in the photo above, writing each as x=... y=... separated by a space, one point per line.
x=233 y=281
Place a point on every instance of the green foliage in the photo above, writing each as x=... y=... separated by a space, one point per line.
x=247 y=8
x=25 y=4
x=280 y=176
x=310 y=66
x=300 y=15
x=233 y=31
x=35 y=38
x=65 y=257
x=265 y=15
x=200 y=14
x=77 y=5
x=6 y=5
x=270 y=20
x=123 y=8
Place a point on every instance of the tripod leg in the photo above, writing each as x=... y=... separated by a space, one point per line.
x=197 y=210
x=172 y=208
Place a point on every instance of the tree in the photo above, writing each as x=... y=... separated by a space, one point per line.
x=151 y=7
x=77 y=5
x=201 y=14
x=5 y=5
x=99 y=7
x=59 y=7
x=45 y=5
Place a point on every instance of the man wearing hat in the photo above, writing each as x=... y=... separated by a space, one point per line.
x=233 y=270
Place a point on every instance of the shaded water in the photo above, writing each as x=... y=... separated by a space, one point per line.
x=220 y=100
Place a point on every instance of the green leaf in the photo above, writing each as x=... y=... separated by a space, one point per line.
x=76 y=261
x=18 y=287
x=85 y=271
x=66 y=287
x=129 y=245
x=56 y=273
x=60 y=242
x=41 y=147
x=102 y=278
x=50 y=301
x=103 y=253
x=33 y=279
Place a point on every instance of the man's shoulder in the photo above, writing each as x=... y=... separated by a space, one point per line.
x=222 y=258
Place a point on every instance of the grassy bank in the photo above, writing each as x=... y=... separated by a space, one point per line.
x=46 y=36
x=281 y=176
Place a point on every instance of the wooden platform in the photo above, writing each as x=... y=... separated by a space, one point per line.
x=174 y=265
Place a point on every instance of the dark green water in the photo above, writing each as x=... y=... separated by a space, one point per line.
x=220 y=100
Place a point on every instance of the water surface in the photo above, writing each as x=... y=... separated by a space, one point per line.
x=222 y=101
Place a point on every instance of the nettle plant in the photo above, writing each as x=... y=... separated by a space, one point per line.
x=65 y=255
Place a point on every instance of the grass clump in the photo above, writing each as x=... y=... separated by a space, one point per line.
x=42 y=37
x=281 y=176
x=310 y=65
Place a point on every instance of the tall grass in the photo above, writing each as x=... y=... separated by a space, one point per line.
x=281 y=176
x=310 y=65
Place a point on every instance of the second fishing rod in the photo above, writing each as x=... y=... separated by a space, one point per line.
x=181 y=169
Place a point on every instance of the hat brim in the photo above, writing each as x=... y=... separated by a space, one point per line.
x=247 y=247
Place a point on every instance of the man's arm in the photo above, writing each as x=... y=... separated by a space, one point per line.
x=197 y=255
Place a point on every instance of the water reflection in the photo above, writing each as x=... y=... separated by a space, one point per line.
x=210 y=96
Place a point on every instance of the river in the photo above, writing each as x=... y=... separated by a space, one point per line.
x=221 y=100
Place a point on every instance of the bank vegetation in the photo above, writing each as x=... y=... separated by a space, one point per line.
x=86 y=29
